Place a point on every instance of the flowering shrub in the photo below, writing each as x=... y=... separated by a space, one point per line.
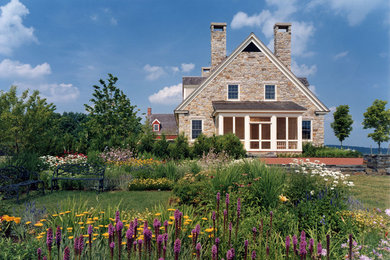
x=68 y=158
x=116 y=154
x=151 y=184
x=371 y=220
x=135 y=162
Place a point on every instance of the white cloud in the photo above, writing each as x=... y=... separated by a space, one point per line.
x=168 y=95
x=113 y=21
x=303 y=70
x=10 y=68
x=94 y=17
x=340 y=55
x=56 y=93
x=312 y=88
x=302 y=32
x=354 y=10
x=12 y=31
x=187 y=67
x=154 y=72
x=175 y=69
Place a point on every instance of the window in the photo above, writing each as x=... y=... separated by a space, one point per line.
x=233 y=92
x=270 y=92
x=196 y=128
x=306 y=130
x=156 y=128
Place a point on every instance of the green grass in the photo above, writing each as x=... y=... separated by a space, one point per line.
x=372 y=191
x=127 y=200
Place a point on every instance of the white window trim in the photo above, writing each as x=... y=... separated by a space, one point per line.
x=311 y=130
x=276 y=97
x=192 y=139
x=227 y=92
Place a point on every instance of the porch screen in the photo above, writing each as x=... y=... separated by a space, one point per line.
x=292 y=128
x=227 y=125
x=281 y=128
x=240 y=127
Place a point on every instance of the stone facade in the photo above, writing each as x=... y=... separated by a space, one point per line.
x=251 y=71
x=378 y=164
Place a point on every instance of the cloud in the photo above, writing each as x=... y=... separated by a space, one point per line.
x=187 y=67
x=113 y=21
x=154 y=72
x=168 y=95
x=56 y=93
x=12 y=31
x=10 y=68
x=354 y=10
x=302 y=32
x=94 y=17
x=340 y=55
x=303 y=70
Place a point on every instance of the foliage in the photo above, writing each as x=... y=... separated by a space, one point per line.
x=160 y=147
x=22 y=117
x=29 y=160
x=202 y=146
x=342 y=124
x=310 y=150
x=232 y=146
x=151 y=184
x=147 y=139
x=378 y=117
x=112 y=117
x=116 y=154
x=180 y=148
x=51 y=162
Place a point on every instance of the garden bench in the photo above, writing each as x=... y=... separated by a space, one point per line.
x=13 y=178
x=78 y=172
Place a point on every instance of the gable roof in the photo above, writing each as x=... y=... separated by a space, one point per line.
x=257 y=105
x=167 y=122
x=253 y=39
x=193 y=80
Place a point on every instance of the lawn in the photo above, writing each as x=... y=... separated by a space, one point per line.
x=122 y=200
x=372 y=191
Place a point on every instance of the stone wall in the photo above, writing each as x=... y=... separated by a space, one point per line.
x=251 y=71
x=377 y=164
x=218 y=43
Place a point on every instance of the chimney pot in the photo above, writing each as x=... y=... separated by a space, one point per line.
x=149 y=111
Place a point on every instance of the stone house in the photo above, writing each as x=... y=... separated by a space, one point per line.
x=254 y=94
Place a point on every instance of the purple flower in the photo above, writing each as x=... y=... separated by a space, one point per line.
x=197 y=229
x=302 y=248
x=218 y=197
x=319 y=248
x=311 y=246
x=224 y=212
x=66 y=253
x=160 y=239
x=229 y=255
x=166 y=226
x=44 y=258
x=214 y=252
x=117 y=216
x=217 y=241
x=129 y=233
x=110 y=230
x=246 y=242
x=253 y=254
x=267 y=250
x=49 y=239
x=112 y=245
x=227 y=199
x=119 y=226
x=39 y=253
x=303 y=236
x=81 y=243
x=295 y=243
x=230 y=226
x=58 y=236
x=238 y=207
x=176 y=248
x=287 y=245
x=147 y=235
x=198 y=249
x=177 y=214
x=156 y=223
x=213 y=216
x=254 y=230
x=90 y=230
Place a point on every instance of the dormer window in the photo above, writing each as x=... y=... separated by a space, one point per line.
x=233 y=92
x=156 y=127
x=270 y=92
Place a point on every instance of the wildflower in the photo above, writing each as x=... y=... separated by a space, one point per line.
x=39 y=224
x=287 y=245
x=66 y=253
x=39 y=253
x=49 y=240
x=246 y=242
x=28 y=222
x=214 y=252
x=117 y=216
x=229 y=255
x=176 y=248
x=198 y=249
x=283 y=198
x=295 y=242
x=311 y=246
x=112 y=246
x=387 y=211
x=253 y=255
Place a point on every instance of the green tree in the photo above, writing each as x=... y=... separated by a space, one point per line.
x=112 y=117
x=27 y=122
x=160 y=147
x=147 y=139
x=378 y=117
x=342 y=124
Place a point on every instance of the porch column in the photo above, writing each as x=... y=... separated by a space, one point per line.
x=299 y=133
x=247 y=132
x=220 y=125
x=273 y=133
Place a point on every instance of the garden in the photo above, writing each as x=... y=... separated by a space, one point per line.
x=212 y=207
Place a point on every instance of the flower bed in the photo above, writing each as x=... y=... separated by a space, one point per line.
x=151 y=184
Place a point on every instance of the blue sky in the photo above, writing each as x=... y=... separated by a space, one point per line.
x=62 y=48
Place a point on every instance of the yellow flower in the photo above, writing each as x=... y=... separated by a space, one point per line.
x=81 y=223
x=123 y=243
x=43 y=220
x=54 y=215
x=170 y=222
x=70 y=237
x=82 y=227
x=85 y=235
x=69 y=228
x=101 y=226
x=172 y=217
x=28 y=222
x=157 y=214
x=39 y=224
x=171 y=209
x=85 y=212
x=204 y=218
x=96 y=227
x=283 y=198
x=68 y=211
x=101 y=212
x=185 y=217
x=95 y=235
x=39 y=237
x=209 y=230
x=95 y=218
x=17 y=220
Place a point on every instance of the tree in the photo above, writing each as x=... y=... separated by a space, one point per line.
x=342 y=124
x=27 y=122
x=378 y=117
x=112 y=117
x=147 y=138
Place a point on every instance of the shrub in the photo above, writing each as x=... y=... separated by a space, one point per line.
x=160 y=148
x=202 y=146
x=30 y=161
x=179 y=149
x=150 y=184
x=232 y=146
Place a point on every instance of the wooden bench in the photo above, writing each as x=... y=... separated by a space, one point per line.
x=78 y=172
x=13 y=178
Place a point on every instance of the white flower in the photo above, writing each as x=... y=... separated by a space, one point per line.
x=312 y=192
x=387 y=211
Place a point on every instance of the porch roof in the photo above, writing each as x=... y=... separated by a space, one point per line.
x=257 y=106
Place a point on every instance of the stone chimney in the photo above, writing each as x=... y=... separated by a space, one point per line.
x=282 y=43
x=218 y=43
x=149 y=111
